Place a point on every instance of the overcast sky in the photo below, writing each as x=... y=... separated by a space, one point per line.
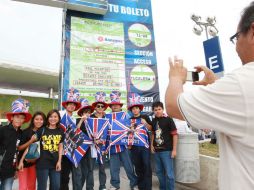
x=31 y=34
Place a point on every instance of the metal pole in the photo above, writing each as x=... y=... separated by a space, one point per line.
x=61 y=69
x=206 y=32
x=51 y=93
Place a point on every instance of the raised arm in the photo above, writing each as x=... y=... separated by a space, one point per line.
x=177 y=78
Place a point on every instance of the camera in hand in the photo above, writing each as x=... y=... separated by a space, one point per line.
x=192 y=76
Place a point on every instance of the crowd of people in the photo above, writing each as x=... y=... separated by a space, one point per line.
x=54 y=163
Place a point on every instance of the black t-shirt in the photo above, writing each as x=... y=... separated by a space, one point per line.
x=26 y=136
x=49 y=142
x=163 y=129
x=94 y=116
x=82 y=127
x=9 y=140
x=145 y=117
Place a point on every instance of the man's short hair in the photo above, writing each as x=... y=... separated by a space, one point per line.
x=246 y=19
x=157 y=104
x=71 y=103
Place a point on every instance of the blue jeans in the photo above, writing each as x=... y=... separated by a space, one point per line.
x=141 y=159
x=115 y=160
x=84 y=173
x=65 y=173
x=6 y=184
x=165 y=170
x=102 y=174
x=42 y=178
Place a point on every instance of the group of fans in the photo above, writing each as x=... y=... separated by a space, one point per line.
x=74 y=145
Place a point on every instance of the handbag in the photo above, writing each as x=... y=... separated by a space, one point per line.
x=34 y=150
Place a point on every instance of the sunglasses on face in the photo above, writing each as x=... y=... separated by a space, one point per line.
x=100 y=106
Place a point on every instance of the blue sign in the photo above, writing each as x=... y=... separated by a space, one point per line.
x=213 y=55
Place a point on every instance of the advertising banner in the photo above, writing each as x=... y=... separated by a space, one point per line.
x=113 y=52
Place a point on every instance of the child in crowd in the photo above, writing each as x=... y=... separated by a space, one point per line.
x=71 y=104
x=119 y=153
x=27 y=169
x=84 y=172
x=163 y=144
x=10 y=136
x=141 y=155
x=100 y=106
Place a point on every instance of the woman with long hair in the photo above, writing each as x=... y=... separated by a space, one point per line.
x=27 y=170
x=51 y=148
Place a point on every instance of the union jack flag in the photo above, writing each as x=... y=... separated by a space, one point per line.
x=20 y=105
x=122 y=134
x=134 y=98
x=97 y=129
x=73 y=95
x=100 y=96
x=115 y=96
x=120 y=116
x=116 y=116
x=76 y=142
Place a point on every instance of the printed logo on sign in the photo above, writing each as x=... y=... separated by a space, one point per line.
x=100 y=39
x=113 y=40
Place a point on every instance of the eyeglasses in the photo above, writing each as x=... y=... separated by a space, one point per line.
x=100 y=106
x=235 y=37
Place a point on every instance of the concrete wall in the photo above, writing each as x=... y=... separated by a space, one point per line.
x=209 y=167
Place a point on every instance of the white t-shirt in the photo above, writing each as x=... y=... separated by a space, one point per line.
x=227 y=106
x=181 y=126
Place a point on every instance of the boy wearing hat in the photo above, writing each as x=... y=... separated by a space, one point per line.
x=100 y=106
x=71 y=104
x=84 y=172
x=119 y=153
x=9 y=141
x=141 y=155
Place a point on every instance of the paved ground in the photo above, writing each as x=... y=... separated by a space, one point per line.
x=124 y=182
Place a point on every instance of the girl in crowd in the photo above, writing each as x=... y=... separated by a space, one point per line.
x=27 y=170
x=51 y=148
